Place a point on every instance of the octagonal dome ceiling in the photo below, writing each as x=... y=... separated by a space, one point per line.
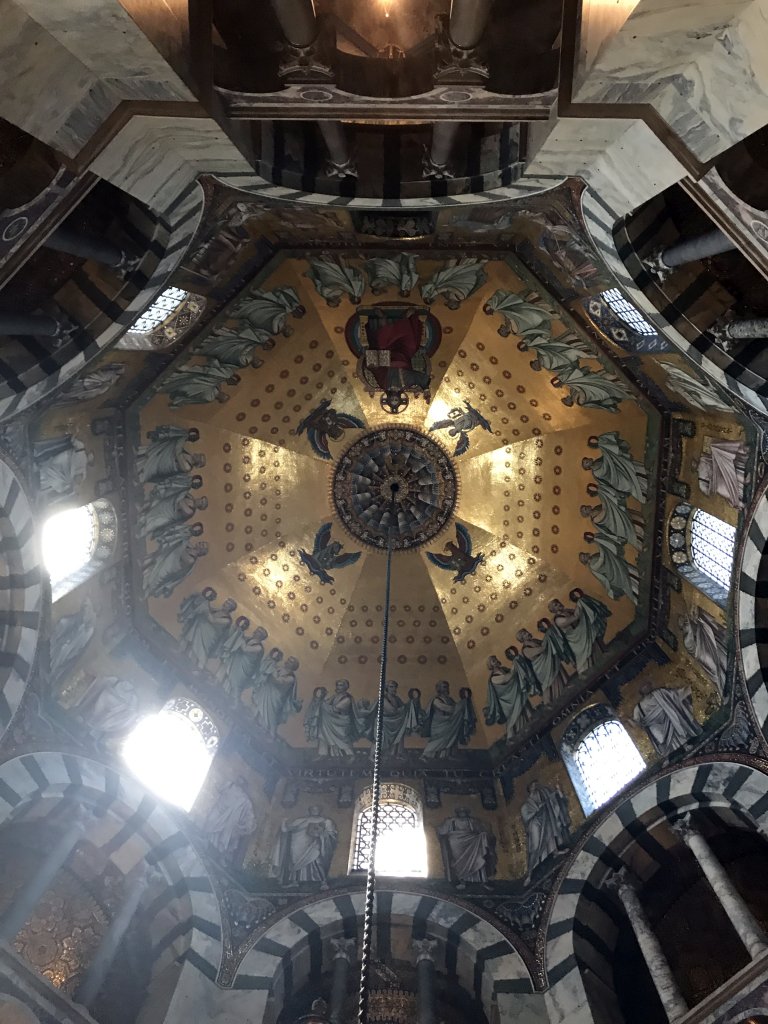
x=263 y=460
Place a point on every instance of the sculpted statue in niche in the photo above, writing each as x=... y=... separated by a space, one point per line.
x=110 y=707
x=230 y=820
x=468 y=848
x=304 y=849
x=706 y=641
x=667 y=716
x=721 y=468
x=62 y=465
x=71 y=635
x=90 y=385
x=547 y=824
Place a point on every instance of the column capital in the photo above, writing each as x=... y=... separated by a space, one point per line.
x=344 y=949
x=425 y=949
x=684 y=827
x=620 y=882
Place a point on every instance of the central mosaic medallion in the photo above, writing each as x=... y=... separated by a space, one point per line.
x=426 y=488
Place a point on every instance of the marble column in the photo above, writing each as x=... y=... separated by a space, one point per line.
x=710 y=244
x=88 y=247
x=435 y=163
x=30 y=894
x=344 y=953
x=340 y=164
x=467 y=22
x=739 y=914
x=99 y=967
x=297 y=20
x=424 y=950
x=739 y=330
x=35 y=326
x=670 y=995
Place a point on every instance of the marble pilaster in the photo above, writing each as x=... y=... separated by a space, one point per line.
x=344 y=953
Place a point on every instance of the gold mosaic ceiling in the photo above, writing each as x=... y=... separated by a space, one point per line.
x=269 y=491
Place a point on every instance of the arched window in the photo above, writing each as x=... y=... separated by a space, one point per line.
x=702 y=549
x=712 y=546
x=171 y=751
x=164 y=306
x=630 y=314
x=172 y=314
x=600 y=756
x=401 y=846
x=77 y=543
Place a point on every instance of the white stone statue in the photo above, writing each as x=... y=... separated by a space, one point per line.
x=547 y=824
x=110 y=707
x=667 y=716
x=304 y=848
x=468 y=848
x=229 y=819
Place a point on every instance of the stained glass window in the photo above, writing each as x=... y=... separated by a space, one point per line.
x=712 y=547
x=605 y=760
x=164 y=306
x=400 y=845
x=630 y=314
x=170 y=752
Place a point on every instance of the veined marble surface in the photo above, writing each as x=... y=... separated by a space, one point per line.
x=621 y=160
x=65 y=66
x=155 y=158
x=703 y=64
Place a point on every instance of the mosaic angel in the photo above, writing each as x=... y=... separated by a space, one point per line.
x=326 y=554
x=448 y=723
x=237 y=349
x=608 y=565
x=591 y=389
x=198 y=384
x=324 y=424
x=460 y=423
x=166 y=453
x=616 y=467
x=459 y=558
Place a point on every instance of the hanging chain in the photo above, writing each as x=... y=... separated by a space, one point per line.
x=370 y=885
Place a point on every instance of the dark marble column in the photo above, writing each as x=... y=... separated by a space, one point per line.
x=99 y=967
x=688 y=251
x=424 y=951
x=344 y=953
x=23 y=906
x=90 y=248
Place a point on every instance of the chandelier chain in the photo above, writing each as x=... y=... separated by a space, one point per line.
x=370 y=885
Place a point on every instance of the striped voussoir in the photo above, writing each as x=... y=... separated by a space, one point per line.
x=584 y=918
x=600 y=219
x=184 y=919
x=752 y=604
x=180 y=221
x=470 y=948
x=257 y=185
x=21 y=592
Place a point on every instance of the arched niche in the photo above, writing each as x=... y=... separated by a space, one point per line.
x=130 y=826
x=752 y=605
x=583 y=924
x=485 y=961
x=21 y=599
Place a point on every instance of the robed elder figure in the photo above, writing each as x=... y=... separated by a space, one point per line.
x=468 y=848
